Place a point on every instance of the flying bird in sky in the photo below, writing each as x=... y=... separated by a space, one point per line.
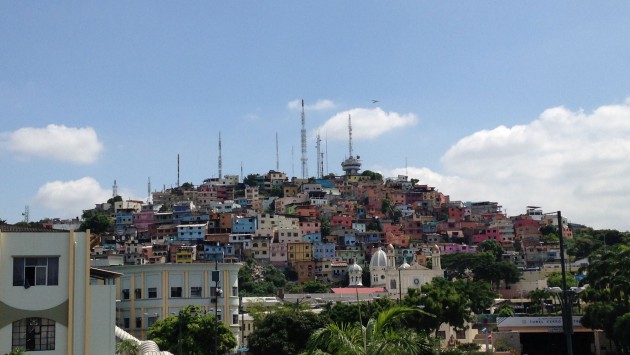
x=375 y=101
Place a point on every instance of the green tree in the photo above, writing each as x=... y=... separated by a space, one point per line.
x=325 y=227
x=114 y=199
x=480 y=294
x=283 y=331
x=555 y=280
x=356 y=312
x=493 y=247
x=382 y=335
x=251 y=180
x=127 y=347
x=97 y=222
x=621 y=330
x=193 y=333
x=442 y=302
x=373 y=175
x=386 y=206
x=505 y=310
x=538 y=298
x=608 y=294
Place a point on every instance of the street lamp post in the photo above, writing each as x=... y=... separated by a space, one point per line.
x=567 y=318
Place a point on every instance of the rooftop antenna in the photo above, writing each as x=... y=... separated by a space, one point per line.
x=177 y=169
x=350 y=134
x=277 y=154
x=241 y=170
x=26 y=214
x=114 y=189
x=327 y=171
x=320 y=162
x=149 y=191
x=220 y=160
x=304 y=158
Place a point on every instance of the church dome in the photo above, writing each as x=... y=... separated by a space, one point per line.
x=355 y=268
x=379 y=259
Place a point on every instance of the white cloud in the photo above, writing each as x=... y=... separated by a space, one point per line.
x=76 y=145
x=366 y=123
x=319 y=105
x=570 y=161
x=70 y=198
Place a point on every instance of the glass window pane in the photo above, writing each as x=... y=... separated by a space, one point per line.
x=18 y=271
x=40 y=276
x=53 y=271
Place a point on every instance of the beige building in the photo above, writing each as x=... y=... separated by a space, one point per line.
x=151 y=292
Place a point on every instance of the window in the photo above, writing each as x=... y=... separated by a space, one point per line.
x=234 y=291
x=125 y=294
x=460 y=334
x=176 y=292
x=35 y=271
x=151 y=320
x=152 y=292
x=234 y=318
x=138 y=322
x=137 y=293
x=125 y=322
x=195 y=292
x=33 y=334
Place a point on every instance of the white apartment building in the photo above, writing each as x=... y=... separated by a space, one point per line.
x=51 y=302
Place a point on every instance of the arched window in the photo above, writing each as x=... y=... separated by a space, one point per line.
x=392 y=284
x=33 y=334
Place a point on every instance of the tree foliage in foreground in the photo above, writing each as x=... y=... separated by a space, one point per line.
x=384 y=334
x=194 y=332
x=608 y=294
x=283 y=331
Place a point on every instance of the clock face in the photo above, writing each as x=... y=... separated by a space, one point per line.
x=382 y=277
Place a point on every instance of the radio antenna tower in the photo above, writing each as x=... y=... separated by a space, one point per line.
x=149 y=191
x=320 y=160
x=304 y=158
x=350 y=135
x=220 y=160
x=114 y=189
x=277 y=154
x=26 y=214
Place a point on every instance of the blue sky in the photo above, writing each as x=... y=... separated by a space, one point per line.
x=523 y=103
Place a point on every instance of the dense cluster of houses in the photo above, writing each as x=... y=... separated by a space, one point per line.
x=316 y=227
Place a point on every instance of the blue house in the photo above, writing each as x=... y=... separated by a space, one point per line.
x=244 y=225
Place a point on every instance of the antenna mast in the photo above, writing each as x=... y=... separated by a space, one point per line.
x=350 y=134
x=304 y=158
x=178 y=170
x=277 y=154
x=320 y=163
x=114 y=189
x=26 y=214
x=220 y=160
x=149 y=191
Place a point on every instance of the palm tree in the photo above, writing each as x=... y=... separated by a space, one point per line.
x=382 y=335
